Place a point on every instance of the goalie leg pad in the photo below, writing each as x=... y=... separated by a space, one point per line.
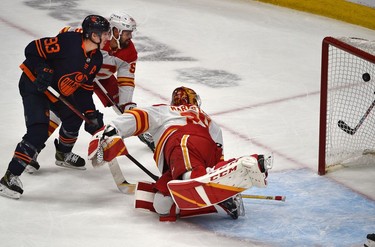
x=215 y=187
x=144 y=196
x=197 y=212
x=258 y=166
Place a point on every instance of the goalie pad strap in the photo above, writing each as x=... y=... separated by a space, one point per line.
x=144 y=199
x=144 y=196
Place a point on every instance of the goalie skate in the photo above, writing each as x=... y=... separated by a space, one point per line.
x=370 y=240
x=233 y=206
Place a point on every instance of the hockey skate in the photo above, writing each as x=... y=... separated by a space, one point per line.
x=370 y=240
x=147 y=139
x=32 y=167
x=69 y=160
x=233 y=206
x=11 y=186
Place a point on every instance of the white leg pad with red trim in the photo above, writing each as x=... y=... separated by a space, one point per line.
x=215 y=187
x=144 y=196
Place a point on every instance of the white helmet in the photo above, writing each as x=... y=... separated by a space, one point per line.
x=123 y=22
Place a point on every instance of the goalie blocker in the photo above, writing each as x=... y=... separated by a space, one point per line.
x=200 y=195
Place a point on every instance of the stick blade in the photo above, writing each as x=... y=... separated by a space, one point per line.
x=345 y=127
x=126 y=188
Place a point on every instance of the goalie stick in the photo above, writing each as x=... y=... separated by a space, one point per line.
x=352 y=131
x=121 y=183
x=128 y=188
x=114 y=166
x=276 y=198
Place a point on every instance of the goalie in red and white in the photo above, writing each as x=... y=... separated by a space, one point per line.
x=189 y=154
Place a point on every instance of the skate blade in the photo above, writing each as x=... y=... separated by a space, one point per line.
x=63 y=164
x=4 y=191
x=30 y=169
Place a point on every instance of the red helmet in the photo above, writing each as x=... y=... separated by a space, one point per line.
x=185 y=96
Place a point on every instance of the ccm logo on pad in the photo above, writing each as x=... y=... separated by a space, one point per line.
x=223 y=173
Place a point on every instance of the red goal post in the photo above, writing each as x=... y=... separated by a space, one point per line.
x=347 y=99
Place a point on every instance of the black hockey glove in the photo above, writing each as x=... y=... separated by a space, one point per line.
x=44 y=77
x=96 y=119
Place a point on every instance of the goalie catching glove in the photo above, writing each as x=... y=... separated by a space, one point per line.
x=105 y=145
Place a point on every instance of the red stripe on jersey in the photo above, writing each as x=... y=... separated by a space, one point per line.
x=161 y=142
x=141 y=119
x=125 y=81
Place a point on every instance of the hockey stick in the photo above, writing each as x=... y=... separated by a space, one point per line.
x=115 y=168
x=68 y=104
x=276 y=198
x=153 y=176
x=118 y=108
x=121 y=183
x=352 y=131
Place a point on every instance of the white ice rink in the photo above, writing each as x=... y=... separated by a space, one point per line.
x=257 y=70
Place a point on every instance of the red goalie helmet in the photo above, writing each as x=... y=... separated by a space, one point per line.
x=185 y=96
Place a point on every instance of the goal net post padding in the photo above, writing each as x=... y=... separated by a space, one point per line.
x=347 y=99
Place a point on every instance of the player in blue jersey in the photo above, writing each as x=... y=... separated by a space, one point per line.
x=67 y=63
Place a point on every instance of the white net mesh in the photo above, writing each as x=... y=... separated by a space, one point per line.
x=351 y=93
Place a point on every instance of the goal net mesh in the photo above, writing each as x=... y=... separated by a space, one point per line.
x=350 y=96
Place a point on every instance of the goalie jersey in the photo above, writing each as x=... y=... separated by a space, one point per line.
x=161 y=121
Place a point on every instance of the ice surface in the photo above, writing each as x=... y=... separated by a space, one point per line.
x=257 y=70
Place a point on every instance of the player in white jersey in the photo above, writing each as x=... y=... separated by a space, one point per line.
x=189 y=144
x=119 y=57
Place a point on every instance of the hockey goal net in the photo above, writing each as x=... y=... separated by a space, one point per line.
x=347 y=117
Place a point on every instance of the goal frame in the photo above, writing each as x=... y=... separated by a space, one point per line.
x=331 y=41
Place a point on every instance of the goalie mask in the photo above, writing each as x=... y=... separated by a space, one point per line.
x=185 y=96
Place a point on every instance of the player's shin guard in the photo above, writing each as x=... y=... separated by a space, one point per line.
x=23 y=155
x=10 y=184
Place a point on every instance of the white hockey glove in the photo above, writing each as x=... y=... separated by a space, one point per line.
x=105 y=145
